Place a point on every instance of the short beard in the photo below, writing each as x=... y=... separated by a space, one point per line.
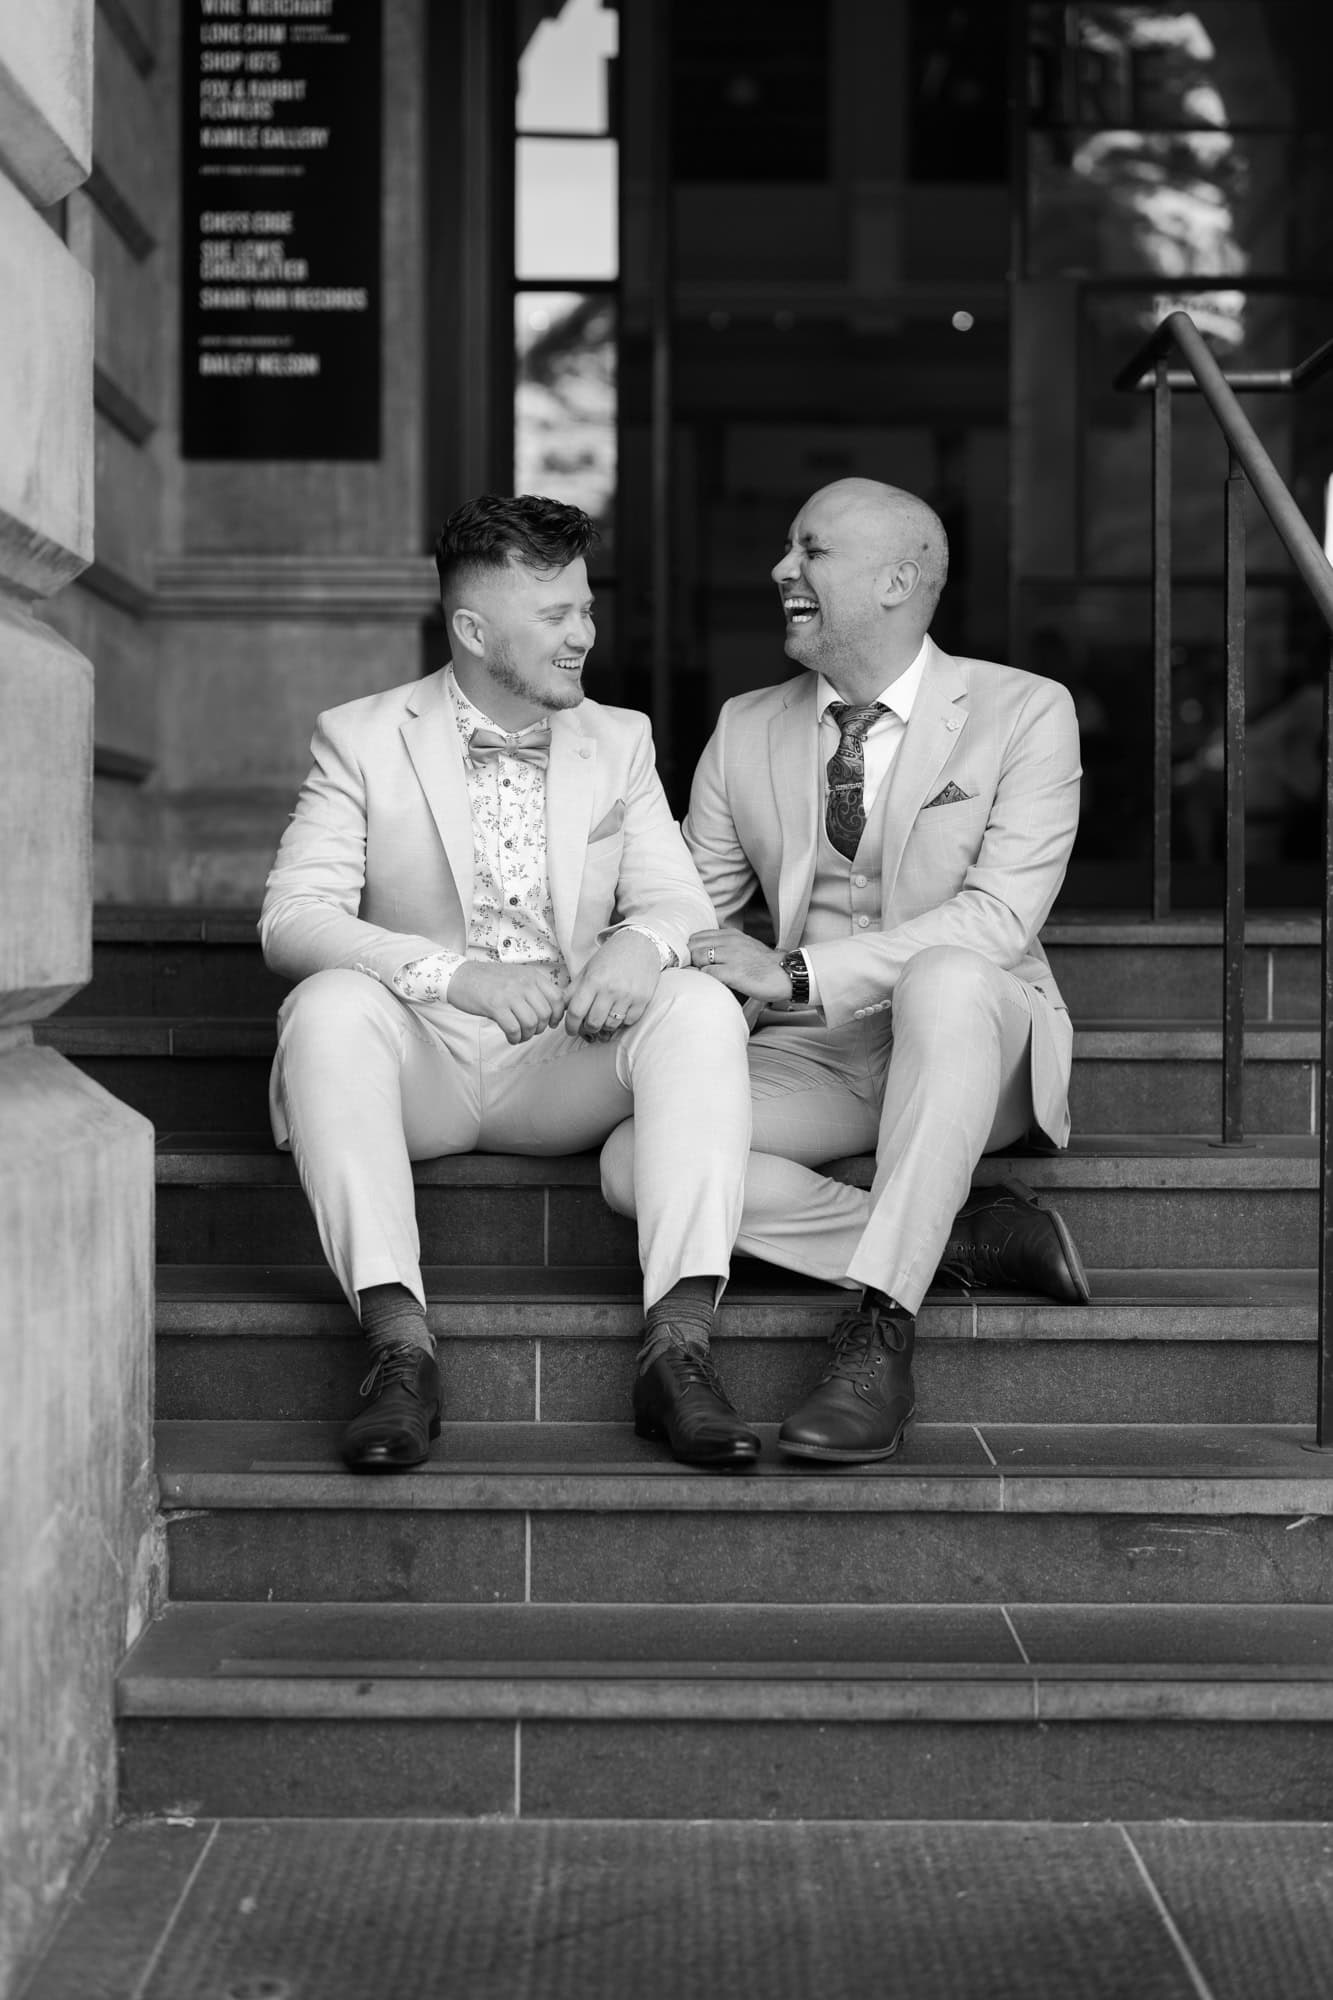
x=500 y=666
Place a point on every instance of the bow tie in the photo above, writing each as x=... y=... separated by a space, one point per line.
x=533 y=746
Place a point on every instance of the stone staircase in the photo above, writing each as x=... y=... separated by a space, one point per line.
x=1097 y=1584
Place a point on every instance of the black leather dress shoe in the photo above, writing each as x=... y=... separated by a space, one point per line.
x=862 y=1407
x=1003 y=1236
x=680 y=1397
x=401 y=1416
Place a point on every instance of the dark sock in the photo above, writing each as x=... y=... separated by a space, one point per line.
x=880 y=1302
x=682 y=1317
x=391 y=1317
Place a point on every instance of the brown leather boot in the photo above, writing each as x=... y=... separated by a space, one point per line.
x=862 y=1406
x=1003 y=1237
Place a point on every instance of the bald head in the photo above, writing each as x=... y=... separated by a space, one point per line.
x=900 y=525
x=862 y=574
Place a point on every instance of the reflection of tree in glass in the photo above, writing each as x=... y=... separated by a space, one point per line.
x=1151 y=181
x=565 y=399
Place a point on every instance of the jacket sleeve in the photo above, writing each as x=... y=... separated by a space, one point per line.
x=658 y=883
x=309 y=920
x=710 y=833
x=1007 y=891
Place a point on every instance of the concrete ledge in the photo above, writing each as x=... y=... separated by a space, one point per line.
x=46 y=75
x=46 y=414
x=46 y=699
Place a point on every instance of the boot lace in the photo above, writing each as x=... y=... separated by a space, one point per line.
x=982 y=1263
x=853 y=1342
x=395 y=1368
x=693 y=1370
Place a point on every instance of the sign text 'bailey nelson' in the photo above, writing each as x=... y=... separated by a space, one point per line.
x=280 y=267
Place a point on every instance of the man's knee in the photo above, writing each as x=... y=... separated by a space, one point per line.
x=334 y=1006
x=944 y=983
x=700 y=1005
x=618 y=1169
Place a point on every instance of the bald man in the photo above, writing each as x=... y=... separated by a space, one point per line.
x=907 y=818
x=488 y=907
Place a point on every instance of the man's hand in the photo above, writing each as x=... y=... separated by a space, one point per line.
x=613 y=988
x=521 y=999
x=742 y=963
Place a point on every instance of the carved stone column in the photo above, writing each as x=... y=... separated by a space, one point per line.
x=76 y=1167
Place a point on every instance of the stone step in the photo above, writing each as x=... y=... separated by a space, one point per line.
x=199 y=961
x=1150 y=1202
x=518 y=1344
x=707 y=1710
x=1116 y=967
x=588 y=1513
x=1129 y=1076
x=163 y=960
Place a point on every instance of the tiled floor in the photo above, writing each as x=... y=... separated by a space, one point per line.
x=448 y=1910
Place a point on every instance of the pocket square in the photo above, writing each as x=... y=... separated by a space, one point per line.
x=612 y=823
x=952 y=795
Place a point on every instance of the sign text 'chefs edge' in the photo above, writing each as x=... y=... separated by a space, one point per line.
x=280 y=273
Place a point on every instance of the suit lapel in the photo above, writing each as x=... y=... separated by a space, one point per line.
x=432 y=743
x=939 y=714
x=793 y=751
x=570 y=778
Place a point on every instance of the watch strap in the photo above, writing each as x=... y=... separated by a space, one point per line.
x=794 y=965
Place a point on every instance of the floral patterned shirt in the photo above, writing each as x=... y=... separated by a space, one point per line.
x=511 y=921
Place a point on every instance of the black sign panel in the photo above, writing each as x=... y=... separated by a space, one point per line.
x=280 y=250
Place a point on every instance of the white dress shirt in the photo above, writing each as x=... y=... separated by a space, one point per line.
x=880 y=745
x=883 y=739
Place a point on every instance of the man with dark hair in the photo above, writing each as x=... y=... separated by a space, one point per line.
x=907 y=818
x=488 y=906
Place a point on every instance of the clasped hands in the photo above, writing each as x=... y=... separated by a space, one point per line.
x=748 y=967
x=609 y=995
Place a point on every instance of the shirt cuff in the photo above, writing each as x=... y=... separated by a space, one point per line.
x=666 y=953
x=423 y=979
x=815 y=1000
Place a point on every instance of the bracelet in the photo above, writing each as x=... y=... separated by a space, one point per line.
x=798 y=972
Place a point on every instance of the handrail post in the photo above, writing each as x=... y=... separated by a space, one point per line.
x=1161 y=641
x=1323 y=1403
x=1233 y=917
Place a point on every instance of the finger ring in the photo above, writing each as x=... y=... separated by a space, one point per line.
x=613 y=1017
x=712 y=956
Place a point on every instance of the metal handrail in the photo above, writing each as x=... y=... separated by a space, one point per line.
x=1245 y=381
x=1247 y=459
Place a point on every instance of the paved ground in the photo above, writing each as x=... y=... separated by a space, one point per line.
x=450 y=1910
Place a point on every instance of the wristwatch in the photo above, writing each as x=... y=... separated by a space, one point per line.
x=794 y=965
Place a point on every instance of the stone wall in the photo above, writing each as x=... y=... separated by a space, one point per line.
x=116 y=225
x=77 y=1542
x=283 y=588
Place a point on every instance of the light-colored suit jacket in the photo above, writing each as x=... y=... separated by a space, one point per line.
x=376 y=866
x=979 y=821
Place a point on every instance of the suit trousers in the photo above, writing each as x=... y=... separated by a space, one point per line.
x=949 y=1081
x=369 y=1083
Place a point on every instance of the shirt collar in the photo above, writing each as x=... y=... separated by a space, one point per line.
x=468 y=716
x=899 y=695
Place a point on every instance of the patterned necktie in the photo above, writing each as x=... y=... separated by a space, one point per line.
x=533 y=746
x=845 y=809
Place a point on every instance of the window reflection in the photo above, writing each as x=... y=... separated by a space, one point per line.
x=566 y=68
x=1122 y=198
x=566 y=198
x=565 y=401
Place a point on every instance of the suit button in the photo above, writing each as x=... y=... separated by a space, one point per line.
x=860 y=1013
x=860 y=881
x=584 y=751
x=863 y=923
